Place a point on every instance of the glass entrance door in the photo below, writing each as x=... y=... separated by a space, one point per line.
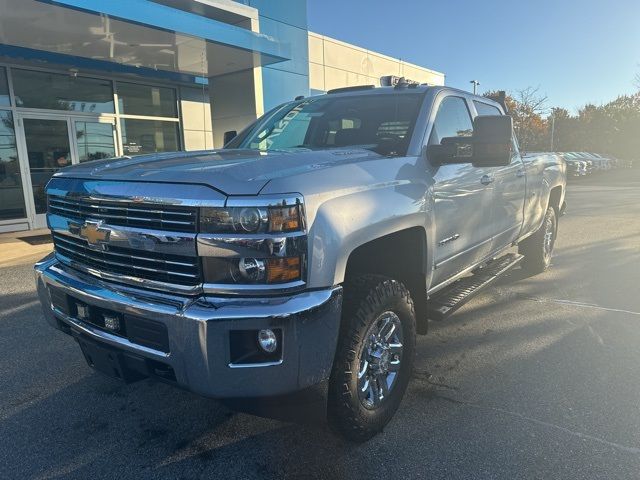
x=48 y=148
x=12 y=198
x=52 y=142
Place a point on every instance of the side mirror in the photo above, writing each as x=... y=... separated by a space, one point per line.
x=230 y=135
x=489 y=146
x=492 y=140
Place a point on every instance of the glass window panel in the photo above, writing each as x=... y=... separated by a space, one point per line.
x=452 y=120
x=135 y=99
x=149 y=136
x=48 y=151
x=95 y=141
x=11 y=193
x=55 y=91
x=4 y=88
x=486 y=109
x=382 y=123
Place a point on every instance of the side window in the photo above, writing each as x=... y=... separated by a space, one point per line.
x=452 y=120
x=486 y=109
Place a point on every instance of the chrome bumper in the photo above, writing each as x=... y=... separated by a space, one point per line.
x=198 y=331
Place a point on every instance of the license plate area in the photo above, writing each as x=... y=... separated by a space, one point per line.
x=109 y=361
x=138 y=330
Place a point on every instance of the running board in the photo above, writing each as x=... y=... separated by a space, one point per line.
x=446 y=301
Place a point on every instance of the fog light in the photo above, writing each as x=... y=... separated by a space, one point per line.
x=267 y=340
x=111 y=323
x=83 y=311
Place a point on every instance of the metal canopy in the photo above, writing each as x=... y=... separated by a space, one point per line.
x=135 y=33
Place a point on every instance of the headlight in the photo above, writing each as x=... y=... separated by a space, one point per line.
x=251 y=246
x=253 y=271
x=250 y=219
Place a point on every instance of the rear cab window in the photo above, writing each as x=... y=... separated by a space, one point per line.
x=486 y=109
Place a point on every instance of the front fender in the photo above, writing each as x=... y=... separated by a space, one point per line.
x=343 y=223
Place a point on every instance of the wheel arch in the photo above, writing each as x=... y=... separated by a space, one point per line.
x=555 y=198
x=401 y=255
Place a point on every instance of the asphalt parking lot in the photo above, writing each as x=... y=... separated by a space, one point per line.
x=535 y=378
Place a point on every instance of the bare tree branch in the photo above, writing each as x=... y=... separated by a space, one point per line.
x=531 y=101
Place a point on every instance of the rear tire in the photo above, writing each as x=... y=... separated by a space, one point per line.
x=538 y=248
x=374 y=357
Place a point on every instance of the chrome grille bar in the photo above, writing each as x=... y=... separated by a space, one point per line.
x=170 y=218
x=159 y=267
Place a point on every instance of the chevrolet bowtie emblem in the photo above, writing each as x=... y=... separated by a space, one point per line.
x=94 y=233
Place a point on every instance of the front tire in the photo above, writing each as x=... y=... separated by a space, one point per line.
x=538 y=248
x=374 y=358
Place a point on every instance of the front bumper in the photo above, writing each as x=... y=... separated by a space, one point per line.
x=198 y=332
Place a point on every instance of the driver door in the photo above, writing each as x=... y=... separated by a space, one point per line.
x=463 y=198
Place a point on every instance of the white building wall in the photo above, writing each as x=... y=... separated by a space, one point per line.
x=236 y=101
x=195 y=108
x=336 y=64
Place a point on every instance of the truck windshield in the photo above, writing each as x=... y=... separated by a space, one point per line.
x=382 y=123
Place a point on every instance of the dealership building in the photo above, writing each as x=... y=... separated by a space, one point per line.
x=87 y=79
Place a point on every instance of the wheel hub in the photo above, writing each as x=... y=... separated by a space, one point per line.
x=380 y=360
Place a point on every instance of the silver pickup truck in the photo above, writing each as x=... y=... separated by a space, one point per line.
x=309 y=251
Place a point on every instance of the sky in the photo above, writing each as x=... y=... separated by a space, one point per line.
x=576 y=52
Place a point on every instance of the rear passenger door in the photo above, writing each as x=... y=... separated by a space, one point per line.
x=463 y=198
x=509 y=191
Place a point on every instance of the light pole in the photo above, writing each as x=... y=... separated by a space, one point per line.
x=553 y=129
x=475 y=85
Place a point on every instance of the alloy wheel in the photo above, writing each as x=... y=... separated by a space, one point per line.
x=380 y=360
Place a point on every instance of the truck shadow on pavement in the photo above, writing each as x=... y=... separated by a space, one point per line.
x=60 y=419
x=65 y=421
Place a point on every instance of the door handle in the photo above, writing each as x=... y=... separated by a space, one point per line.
x=520 y=173
x=486 y=180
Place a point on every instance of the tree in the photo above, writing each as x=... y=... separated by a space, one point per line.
x=527 y=108
x=610 y=129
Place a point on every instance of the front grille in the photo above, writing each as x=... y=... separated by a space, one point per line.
x=160 y=267
x=159 y=217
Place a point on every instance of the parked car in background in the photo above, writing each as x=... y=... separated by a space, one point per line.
x=602 y=163
x=596 y=162
x=610 y=161
x=624 y=163
x=575 y=167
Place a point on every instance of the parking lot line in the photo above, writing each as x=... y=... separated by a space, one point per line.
x=580 y=304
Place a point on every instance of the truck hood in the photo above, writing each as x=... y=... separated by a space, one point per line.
x=233 y=172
